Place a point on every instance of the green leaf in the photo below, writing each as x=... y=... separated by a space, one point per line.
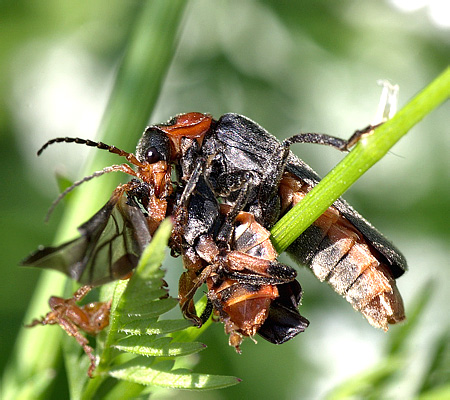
x=158 y=347
x=150 y=290
x=153 y=327
x=138 y=371
x=144 y=296
x=129 y=303
x=138 y=310
x=151 y=259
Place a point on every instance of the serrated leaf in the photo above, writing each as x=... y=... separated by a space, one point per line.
x=145 y=294
x=148 y=310
x=138 y=371
x=153 y=327
x=147 y=284
x=157 y=347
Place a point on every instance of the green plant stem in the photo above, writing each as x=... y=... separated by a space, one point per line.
x=369 y=150
x=145 y=63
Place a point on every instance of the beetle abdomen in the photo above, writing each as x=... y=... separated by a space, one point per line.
x=338 y=253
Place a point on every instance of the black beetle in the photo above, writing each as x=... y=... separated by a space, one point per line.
x=246 y=168
x=249 y=169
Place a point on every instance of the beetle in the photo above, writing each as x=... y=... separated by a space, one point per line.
x=245 y=166
x=248 y=169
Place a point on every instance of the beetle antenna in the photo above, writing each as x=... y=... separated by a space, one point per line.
x=122 y=167
x=100 y=145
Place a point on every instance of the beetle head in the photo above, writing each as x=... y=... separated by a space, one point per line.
x=153 y=146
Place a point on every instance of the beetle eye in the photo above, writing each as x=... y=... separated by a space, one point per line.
x=152 y=155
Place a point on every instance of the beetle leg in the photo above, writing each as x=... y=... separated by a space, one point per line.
x=268 y=200
x=321 y=138
x=188 y=286
x=255 y=279
x=72 y=330
x=190 y=151
x=238 y=261
x=207 y=311
x=181 y=213
x=186 y=297
x=192 y=182
x=81 y=292
x=227 y=228
x=359 y=133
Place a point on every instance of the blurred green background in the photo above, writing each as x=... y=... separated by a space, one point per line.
x=292 y=67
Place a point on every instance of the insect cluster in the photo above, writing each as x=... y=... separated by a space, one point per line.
x=233 y=181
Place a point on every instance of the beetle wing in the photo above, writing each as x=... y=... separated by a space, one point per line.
x=109 y=247
x=248 y=139
x=396 y=260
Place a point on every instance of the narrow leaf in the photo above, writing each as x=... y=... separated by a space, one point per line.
x=438 y=371
x=158 y=347
x=152 y=259
x=153 y=327
x=138 y=371
x=145 y=61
